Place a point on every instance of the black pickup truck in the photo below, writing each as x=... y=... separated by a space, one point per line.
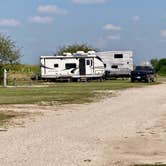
x=143 y=73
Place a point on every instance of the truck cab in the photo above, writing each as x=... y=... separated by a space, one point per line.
x=143 y=73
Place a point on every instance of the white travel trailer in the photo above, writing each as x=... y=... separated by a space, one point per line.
x=72 y=66
x=117 y=63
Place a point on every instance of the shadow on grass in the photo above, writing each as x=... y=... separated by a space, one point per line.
x=4 y=117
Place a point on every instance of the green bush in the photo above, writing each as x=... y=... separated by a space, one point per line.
x=162 y=70
x=159 y=66
x=19 y=71
x=1 y=73
x=22 y=69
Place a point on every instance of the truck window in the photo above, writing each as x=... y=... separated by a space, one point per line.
x=70 y=65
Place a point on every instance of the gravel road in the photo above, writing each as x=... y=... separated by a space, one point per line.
x=123 y=130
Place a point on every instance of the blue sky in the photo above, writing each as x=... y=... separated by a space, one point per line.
x=41 y=26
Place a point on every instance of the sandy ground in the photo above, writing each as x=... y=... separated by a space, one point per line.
x=117 y=131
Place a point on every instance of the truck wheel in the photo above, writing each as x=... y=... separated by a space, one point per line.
x=154 y=79
x=148 y=80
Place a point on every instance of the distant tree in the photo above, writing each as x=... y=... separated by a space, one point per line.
x=9 y=52
x=159 y=65
x=74 y=48
x=154 y=63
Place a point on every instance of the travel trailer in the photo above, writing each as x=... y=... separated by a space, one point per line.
x=78 y=66
x=117 y=63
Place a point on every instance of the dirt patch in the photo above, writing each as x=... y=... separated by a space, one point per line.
x=17 y=118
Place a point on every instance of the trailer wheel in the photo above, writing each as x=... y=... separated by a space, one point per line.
x=69 y=80
x=132 y=80
x=78 y=80
x=101 y=79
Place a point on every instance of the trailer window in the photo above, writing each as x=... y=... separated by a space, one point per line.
x=114 y=66
x=91 y=63
x=56 y=65
x=70 y=65
x=118 y=55
x=88 y=62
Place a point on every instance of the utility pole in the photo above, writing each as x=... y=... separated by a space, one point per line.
x=5 y=78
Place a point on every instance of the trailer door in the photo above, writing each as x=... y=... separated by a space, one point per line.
x=82 y=66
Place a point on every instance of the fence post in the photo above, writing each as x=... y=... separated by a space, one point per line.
x=5 y=78
x=14 y=82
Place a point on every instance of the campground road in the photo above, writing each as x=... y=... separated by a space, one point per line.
x=123 y=130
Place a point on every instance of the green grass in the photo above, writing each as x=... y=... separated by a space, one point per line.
x=161 y=78
x=62 y=93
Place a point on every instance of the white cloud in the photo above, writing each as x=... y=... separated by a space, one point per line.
x=113 y=37
x=163 y=33
x=41 y=20
x=112 y=27
x=51 y=9
x=136 y=18
x=89 y=1
x=9 y=22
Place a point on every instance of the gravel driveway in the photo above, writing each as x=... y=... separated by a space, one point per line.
x=123 y=130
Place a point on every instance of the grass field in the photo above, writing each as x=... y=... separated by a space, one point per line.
x=161 y=78
x=61 y=93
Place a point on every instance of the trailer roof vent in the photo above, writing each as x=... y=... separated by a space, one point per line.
x=80 y=52
x=91 y=52
x=67 y=54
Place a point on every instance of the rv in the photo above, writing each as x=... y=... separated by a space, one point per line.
x=69 y=66
x=117 y=63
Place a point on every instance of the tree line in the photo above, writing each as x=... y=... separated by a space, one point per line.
x=159 y=65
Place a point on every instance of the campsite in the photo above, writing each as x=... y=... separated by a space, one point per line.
x=81 y=108
x=82 y=83
x=94 y=121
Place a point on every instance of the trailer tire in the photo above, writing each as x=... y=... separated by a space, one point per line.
x=132 y=80
x=69 y=80
x=101 y=79
x=78 y=80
